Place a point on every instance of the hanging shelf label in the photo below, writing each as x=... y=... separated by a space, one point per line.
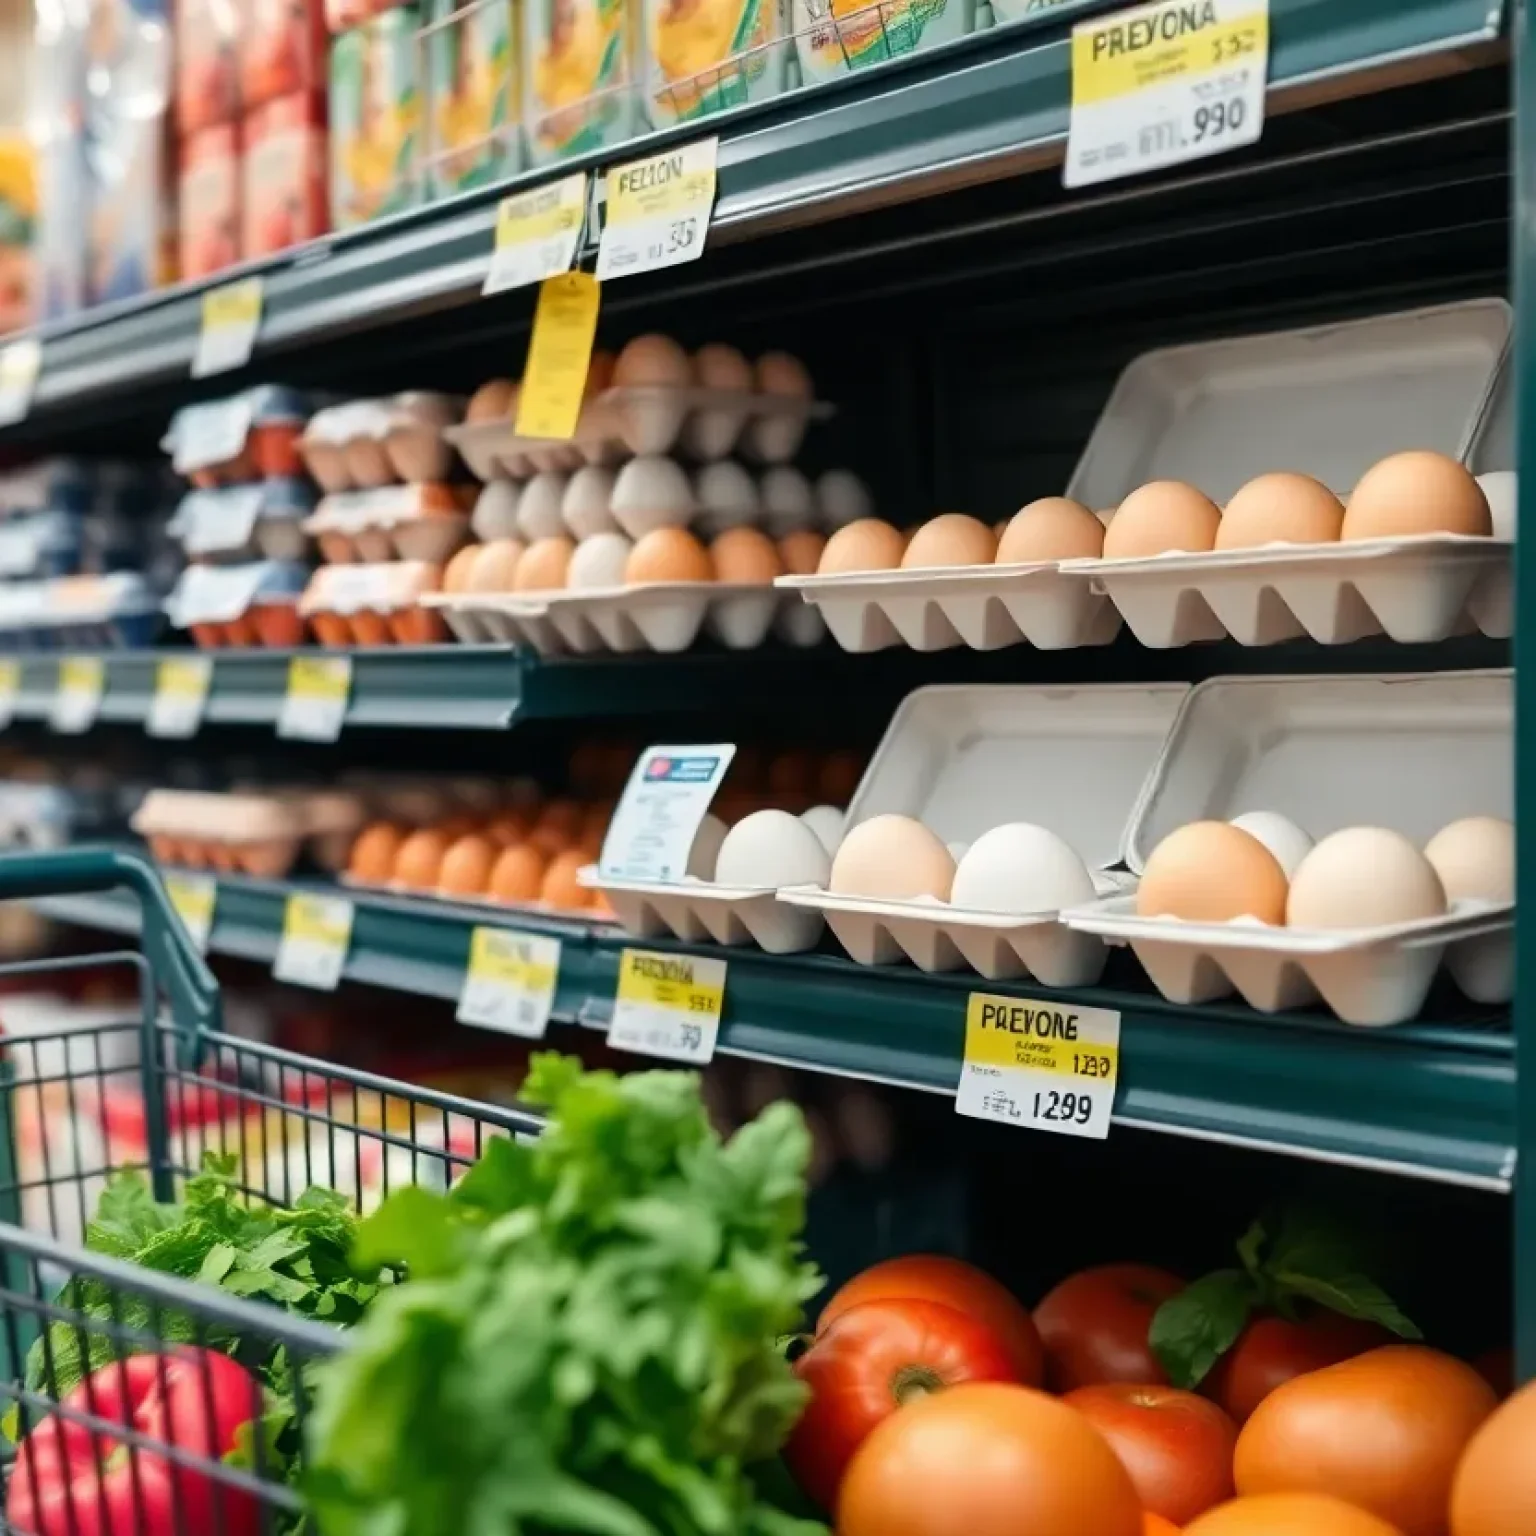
x=537 y=234
x=657 y=210
x=559 y=355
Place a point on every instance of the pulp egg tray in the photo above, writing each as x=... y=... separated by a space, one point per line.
x=237 y=523
x=374 y=604
x=260 y=835
x=696 y=910
x=118 y=609
x=255 y=604
x=645 y=419
x=250 y=436
x=366 y=443
x=983 y=607
x=391 y=522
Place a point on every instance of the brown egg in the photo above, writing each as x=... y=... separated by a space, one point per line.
x=223 y=858
x=745 y=556
x=1416 y=493
x=1280 y=509
x=893 y=858
x=668 y=554
x=544 y=565
x=494 y=567
x=866 y=545
x=241 y=631
x=599 y=373
x=1161 y=517
x=1053 y=528
x=562 y=814
x=800 y=553
x=162 y=848
x=419 y=861
x=951 y=539
x=369 y=628
x=1212 y=872
x=493 y=401
x=331 y=629
x=650 y=360
x=778 y=373
x=720 y=367
x=459 y=569
x=466 y=867
x=210 y=636
x=372 y=861
x=560 y=888
x=507 y=829
x=517 y=874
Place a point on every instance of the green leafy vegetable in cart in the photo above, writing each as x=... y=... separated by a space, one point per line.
x=587 y=1337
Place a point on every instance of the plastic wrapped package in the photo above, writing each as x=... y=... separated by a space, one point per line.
x=283 y=197
x=208 y=201
x=237 y=523
x=240 y=605
x=375 y=118
x=252 y=435
x=702 y=56
x=474 y=101
x=581 y=71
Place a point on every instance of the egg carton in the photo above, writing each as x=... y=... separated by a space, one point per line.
x=1367 y=976
x=697 y=911
x=117 y=610
x=363 y=444
x=262 y=835
x=235 y=523
x=391 y=522
x=645 y=419
x=983 y=607
x=248 y=604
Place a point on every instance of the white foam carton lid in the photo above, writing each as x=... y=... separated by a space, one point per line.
x=964 y=759
x=1328 y=401
x=1413 y=752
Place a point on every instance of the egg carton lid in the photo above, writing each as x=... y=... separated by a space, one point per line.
x=384 y=506
x=1330 y=400
x=225 y=818
x=382 y=588
x=964 y=758
x=215 y=594
x=1409 y=751
x=223 y=518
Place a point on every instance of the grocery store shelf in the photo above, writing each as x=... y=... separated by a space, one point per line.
x=979 y=109
x=1434 y=1101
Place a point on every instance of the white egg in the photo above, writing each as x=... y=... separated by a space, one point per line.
x=788 y=503
x=649 y=493
x=495 y=514
x=598 y=562
x=1501 y=487
x=842 y=498
x=1021 y=868
x=727 y=497
x=1475 y=858
x=772 y=848
x=538 y=511
x=826 y=821
x=1289 y=844
x=585 y=508
x=706 y=848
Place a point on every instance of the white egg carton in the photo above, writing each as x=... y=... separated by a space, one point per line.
x=620 y=423
x=965 y=759
x=1411 y=752
x=1329 y=401
x=699 y=911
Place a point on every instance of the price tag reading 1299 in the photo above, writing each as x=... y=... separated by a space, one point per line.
x=668 y=1006
x=1165 y=83
x=657 y=211
x=1049 y=1066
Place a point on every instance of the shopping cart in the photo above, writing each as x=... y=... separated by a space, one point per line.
x=143 y=1403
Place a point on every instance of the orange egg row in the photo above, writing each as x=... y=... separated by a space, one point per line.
x=406 y=626
x=267 y=860
x=276 y=624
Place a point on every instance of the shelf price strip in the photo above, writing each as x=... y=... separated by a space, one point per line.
x=317 y=934
x=537 y=234
x=231 y=319
x=77 y=699
x=195 y=898
x=668 y=1006
x=181 y=694
x=510 y=983
x=1046 y=1065
x=315 y=705
x=20 y=364
x=657 y=210
x=1165 y=83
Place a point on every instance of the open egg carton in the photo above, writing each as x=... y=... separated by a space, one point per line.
x=263 y=835
x=421 y=521
x=253 y=435
x=235 y=524
x=1409 y=753
x=118 y=610
x=240 y=605
x=364 y=444
x=1330 y=402
x=374 y=604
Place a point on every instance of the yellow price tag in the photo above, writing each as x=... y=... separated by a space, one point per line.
x=231 y=319
x=181 y=691
x=317 y=933
x=559 y=352
x=668 y=1005
x=510 y=983
x=10 y=688
x=657 y=210
x=537 y=234
x=1049 y=1065
x=82 y=681
x=195 y=898
x=315 y=705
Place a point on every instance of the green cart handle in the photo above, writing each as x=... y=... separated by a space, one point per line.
x=189 y=985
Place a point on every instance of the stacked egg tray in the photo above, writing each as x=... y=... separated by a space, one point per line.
x=1328 y=402
x=263 y=835
x=593 y=544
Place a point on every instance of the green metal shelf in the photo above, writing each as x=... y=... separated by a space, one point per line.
x=984 y=107
x=1431 y=1101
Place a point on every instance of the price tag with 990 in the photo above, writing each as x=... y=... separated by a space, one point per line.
x=510 y=983
x=317 y=933
x=82 y=680
x=315 y=705
x=1165 y=83
x=668 y=1006
x=1049 y=1066
x=231 y=319
x=181 y=691
x=537 y=234
x=194 y=897
x=657 y=211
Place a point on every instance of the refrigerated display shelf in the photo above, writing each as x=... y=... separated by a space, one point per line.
x=982 y=108
x=1431 y=1100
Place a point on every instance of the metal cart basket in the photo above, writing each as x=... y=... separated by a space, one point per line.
x=148 y=1403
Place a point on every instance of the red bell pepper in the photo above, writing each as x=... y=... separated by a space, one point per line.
x=69 y=1481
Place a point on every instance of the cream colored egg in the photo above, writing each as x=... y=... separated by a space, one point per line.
x=867 y=545
x=495 y=514
x=1289 y=844
x=951 y=539
x=1501 y=489
x=788 y=503
x=587 y=507
x=599 y=561
x=1210 y=872
x=892 y=858
x=826 y=821
x=652 y=492
x=773 y=436
x=1161 y=518
x=1364 y=877
x=772 y=848
x=726 y=496
x=1475 y=859
x=1412 y=494
x=545 y=565
x=706 y=848
x=538 y=510
x=722 y=367
x=1020 y=867
x=495 y=566
x=842 y=498
x=1280 y=509
x=1053 y=528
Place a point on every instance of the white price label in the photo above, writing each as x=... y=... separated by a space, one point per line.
x=658 y=815
x=317 y=933
x=195 y=898
x=1049 y=1066
x=77 y=698
x=668 y=1006
x=1165 y=83
x=181 y=694
x=20 y=364
x=510 y=983
x=211 y=433
x=537 y=234
x=315 y=705
x=657 y=211
x=231 y=319
x=10 y=688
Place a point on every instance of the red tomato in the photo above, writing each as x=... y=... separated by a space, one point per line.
x=1177 y=1447
x=872 y=1360
x=1271 y=1350
x=68 y=1481
x=951 y=1283
x=1094 y=1325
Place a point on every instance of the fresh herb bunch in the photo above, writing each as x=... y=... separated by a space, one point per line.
x=587 y=1339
